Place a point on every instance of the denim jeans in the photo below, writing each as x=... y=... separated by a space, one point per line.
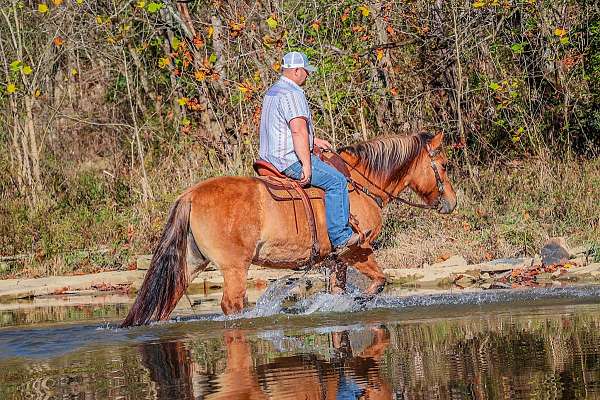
x=337 y=203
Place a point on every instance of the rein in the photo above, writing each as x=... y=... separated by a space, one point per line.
x=379 y=200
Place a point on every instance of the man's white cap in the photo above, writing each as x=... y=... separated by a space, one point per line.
x=295 y=59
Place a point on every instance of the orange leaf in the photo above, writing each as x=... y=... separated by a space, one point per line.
x=58 y=41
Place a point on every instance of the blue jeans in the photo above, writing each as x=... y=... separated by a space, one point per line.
x=337 y=203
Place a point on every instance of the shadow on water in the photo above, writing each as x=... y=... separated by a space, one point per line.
x=487 y=345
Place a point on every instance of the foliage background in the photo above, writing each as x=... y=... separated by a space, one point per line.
x=111 y=108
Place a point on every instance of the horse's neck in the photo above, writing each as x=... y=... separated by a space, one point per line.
x=367 y=179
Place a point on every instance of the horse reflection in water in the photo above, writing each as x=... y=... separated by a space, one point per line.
x=345 y=375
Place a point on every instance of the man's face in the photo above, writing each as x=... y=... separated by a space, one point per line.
x=301 y=74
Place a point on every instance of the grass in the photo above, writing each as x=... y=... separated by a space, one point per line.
x=521 y=205
x=96 y=223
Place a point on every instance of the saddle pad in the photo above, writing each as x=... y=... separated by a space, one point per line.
x=282 y=190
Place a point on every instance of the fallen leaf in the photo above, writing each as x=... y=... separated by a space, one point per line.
x=11 y=88
x=364 y=10
x=43 y=8
x=200 y=75
x=27 y=70
x=58 y=41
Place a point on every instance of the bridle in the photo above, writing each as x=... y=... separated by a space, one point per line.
x=438 y=180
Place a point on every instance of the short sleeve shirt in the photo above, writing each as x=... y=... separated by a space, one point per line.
x=284 y=101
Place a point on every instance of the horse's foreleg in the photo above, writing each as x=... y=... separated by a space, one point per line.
x=234 y=287
x=364 y=261
x=337 y=280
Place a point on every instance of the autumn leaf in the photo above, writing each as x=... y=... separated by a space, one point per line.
x=74 y=71
x=15 y=65
x=163 y=62
x=43 y=8
x=58 y=41
x=560 y=32
x=154 y=7
x=209 y=31
x=141 y=4
x=200 y=75
x=27 y=70
x=57 y=2
x=175 y=42
x=11 y=88
x=345 y=15
x=80 y=2
x=379 y=53
x=185 y=121
x=316 y=24
x=272 y=22
x=182 y=101
x=213 y=58
x=276 y=66
x=494 y=86
x=364 y=10
x=478 y=4
x=198 y=42
x=37 y=93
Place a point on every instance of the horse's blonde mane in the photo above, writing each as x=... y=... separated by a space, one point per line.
x=387 y=156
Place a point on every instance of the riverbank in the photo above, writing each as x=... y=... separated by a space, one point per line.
x=498 y=273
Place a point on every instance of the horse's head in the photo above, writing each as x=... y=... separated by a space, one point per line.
x=428 y=177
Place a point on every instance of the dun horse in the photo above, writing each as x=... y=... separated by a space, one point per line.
x=234 y=221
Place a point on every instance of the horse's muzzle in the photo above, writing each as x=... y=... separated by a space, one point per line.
x=445 y=206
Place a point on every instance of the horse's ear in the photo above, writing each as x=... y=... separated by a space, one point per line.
x=437 y=140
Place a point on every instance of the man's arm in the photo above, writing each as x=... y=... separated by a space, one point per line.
x=299 y=129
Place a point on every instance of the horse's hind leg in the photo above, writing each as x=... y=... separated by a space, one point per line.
x=364 y=261
x=234 y=287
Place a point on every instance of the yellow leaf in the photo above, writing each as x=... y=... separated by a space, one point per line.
x=80 y=2
x=74 y=71
x=478 y=4
x=27 y=70
x=99 y=20
x=43 y=8
x=38 y=93
x=560 y=32
x=141 y=4
x=277 y=66
x=200 y=75
x=163 y=62
x=210 y=31
x=379 y=53
x=182 y=101
x=11 y=88
x=272 y=22
x=364 y=10
x=57 y=2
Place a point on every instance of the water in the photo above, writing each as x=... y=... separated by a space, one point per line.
x=535 y=343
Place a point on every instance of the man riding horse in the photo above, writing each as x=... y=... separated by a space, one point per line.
x=287 y=141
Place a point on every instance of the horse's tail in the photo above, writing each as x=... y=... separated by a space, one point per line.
x=167 y=277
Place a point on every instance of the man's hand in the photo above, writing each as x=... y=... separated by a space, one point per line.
x=322 y=144
x=306 y=175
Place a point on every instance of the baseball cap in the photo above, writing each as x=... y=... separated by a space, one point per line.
x=296 y=59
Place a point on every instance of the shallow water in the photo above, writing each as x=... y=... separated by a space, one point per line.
x=535 y=343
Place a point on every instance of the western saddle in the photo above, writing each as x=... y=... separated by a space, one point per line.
x=283 y=188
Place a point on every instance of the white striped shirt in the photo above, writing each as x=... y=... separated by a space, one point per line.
x=284 y=101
